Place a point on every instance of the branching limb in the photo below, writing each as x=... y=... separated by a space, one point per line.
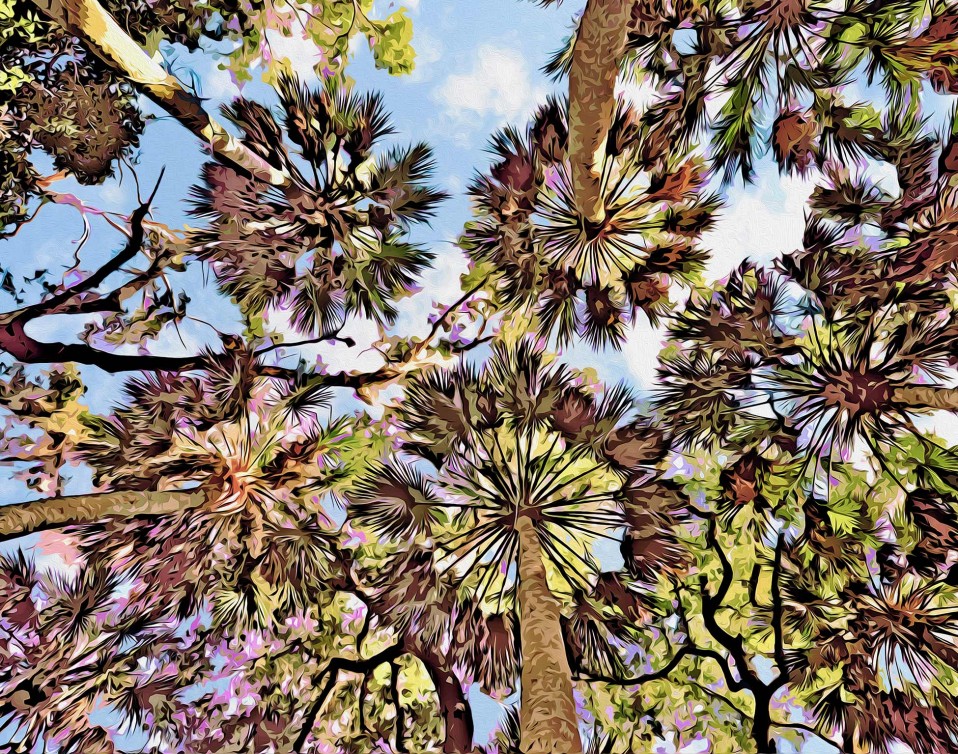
x=711 y=604
x=331 y=674
x=687 y=650
x=78 y=298
x=59 y=302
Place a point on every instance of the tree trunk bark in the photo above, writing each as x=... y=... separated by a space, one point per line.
x=547 y=717
x=944 y=398
x=25 y=518
x=455 y=711
x=596 y=56
x=102 y=35
x=453 y=705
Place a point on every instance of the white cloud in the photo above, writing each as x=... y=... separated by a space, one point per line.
x=760 y=222
x=428 y=52
x=440 y=286
x=499 y=84
x=301 y=52
x=218 y=84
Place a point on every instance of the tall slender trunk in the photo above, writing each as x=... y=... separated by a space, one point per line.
x=547 y=718
x=102 y=35
x=24 y=518
x=596 y=56
x=945 y=398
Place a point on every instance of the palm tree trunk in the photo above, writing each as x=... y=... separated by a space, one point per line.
x=101 y=35
x=24 y=518
x=455 y=711
x=547 y=718
x=944 y=398
x=596 y=56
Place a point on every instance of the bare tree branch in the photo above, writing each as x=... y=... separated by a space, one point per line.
x=26 y=349
x=331 y=673
x=711 y=604
x=777 y=609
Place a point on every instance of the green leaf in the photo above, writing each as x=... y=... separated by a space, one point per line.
x=390 y=41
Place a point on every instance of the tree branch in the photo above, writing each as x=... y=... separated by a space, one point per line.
x=28 y=350
x=777 y=610
x=712 y=602
x=443 y=318
x=67 y=298
x=96 y=28
x=331 y=672
x=663 y=672
x=808 y=729
x=327 y=338
x=400 y=713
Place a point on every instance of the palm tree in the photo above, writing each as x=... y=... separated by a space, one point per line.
x=334 y=243
x=902 y=637
x=253 y=555
x=571 y=275
x=871 y=603
x=257 y=448
x=253 y=547
x=600 y=43
x=783 y=67
x=513 y=470
x=833 y=369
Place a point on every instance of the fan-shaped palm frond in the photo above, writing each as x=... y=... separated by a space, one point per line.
x=759 y=349
x=396 y=501
x=900 y=636
x=575 y=277
x=529 y=465
x=333 y=243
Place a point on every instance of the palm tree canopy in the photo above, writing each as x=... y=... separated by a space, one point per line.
x=334 y=243
x=543 y=260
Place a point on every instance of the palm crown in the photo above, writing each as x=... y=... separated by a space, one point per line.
x=572 y=276
x=786 y=68
x=509 y=468
x=334 y=243
x=516 y=438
